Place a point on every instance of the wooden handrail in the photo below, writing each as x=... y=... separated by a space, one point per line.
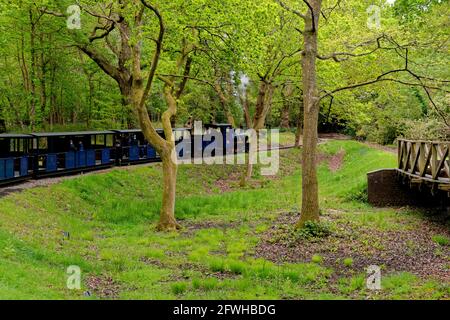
x=429 y=160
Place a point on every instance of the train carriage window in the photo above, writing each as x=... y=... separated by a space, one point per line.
x=23 y=146
x=100 y=140
x=43 y=144
x=109 y=140
x=16 y=145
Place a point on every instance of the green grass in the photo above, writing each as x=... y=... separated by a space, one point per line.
x=111 y=219
x=441 y=240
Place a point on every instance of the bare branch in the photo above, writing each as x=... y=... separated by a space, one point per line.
x=163 y=77
x=343 y=56
x=52 y=13
x=107 y=30
x=157 y=53
x=101 y=61
x=286 y=7
x=330 y=10
x=312 y=15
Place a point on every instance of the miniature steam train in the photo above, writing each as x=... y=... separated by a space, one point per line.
x=39 y=155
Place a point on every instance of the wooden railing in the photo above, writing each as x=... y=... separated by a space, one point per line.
x=425 y=160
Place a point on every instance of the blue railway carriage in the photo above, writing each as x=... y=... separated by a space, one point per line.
x=15 y=160
x=131 y=147
x=228 y=138
x=71 y=152
x=39 y=155
x=183 y=150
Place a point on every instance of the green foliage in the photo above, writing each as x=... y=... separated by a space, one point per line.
x=217 y=265
x=179 y=287
x=441 y=240
x=317 y=259
x=360 y=195
x=71 y=92
x=313 y=230
x=348 y=262
x=425 y=129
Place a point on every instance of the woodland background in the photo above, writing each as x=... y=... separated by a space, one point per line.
x=245 y=53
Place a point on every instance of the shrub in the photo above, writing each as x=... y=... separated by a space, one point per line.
x=348 y=262
x=236 y=267
x=314 y=230
x=430 y=129
x=217 y=265
x=359 y=195
x=179 y=287
x=317 y=259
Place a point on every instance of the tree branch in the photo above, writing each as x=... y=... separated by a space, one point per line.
x=157 y=54
x=286 y=7
x=313 y=17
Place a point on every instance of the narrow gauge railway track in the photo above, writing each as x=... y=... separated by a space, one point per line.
x=19 y=186
x=29 y=160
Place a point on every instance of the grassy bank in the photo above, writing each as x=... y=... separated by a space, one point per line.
x=105 y=224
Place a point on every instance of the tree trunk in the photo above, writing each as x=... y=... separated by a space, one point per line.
x=310 y=188
x=286 y=94
x=263 y=104
x=224 y=101
x=128 y=117
x=33 y=71
x=42 y=76
x=90 y=100
x=248 y=173
x=167 y=220
x=260 y=100
x=53 y=97
x=2 y=126
x=299 y=132
x=285 y=117
x=246 y=106
x=165 y=148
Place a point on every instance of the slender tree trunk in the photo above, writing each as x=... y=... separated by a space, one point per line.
x=167 y=219
x=299 y=131
x=246 y=106
x=60 y=112
x=165 y=148
x=33 y=71
x=285 y=117
x=16 y=112
x=224 y=101
x=310 y=188
x=249 y=165
x=42 y=77
x=53 y=97
x=263 y=104
x=260 y=101
x=23 y=64
x=135 y=91
x=286 y=93
x=2 y=125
